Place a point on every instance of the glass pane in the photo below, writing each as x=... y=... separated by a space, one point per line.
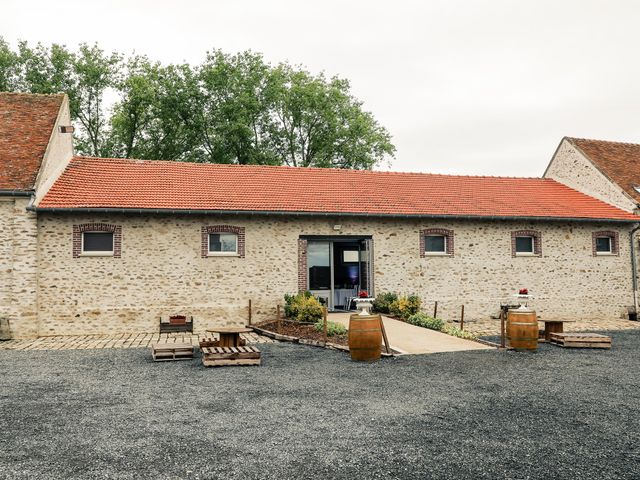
x=97 y=242
x=223 y=242
x=435 y=243
x=350 y=256
x=603 y=244
x=319 y=265
x=524 y=244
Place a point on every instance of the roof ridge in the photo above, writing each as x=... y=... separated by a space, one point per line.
x=603 y=141
x=289 y=167
x=30 y=94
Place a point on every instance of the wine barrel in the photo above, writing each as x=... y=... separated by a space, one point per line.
x=522 y=329
x=365 y=337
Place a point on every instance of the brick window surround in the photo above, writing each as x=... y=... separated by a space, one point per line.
x=448 y=234
x=239 y=231
x=78 y=230
x=537 y=242
x=302 y=264
x=615 y=242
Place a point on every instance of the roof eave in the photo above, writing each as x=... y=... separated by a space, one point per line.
x=16 y=193
x=174 y=211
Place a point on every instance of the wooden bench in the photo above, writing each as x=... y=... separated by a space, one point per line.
x=230 y=356
x=580 y=340
x=176 y=323
x=162 y=352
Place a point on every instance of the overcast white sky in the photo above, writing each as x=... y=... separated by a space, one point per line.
x=472 y=87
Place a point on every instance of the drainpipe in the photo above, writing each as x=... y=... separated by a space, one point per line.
x=634 y=271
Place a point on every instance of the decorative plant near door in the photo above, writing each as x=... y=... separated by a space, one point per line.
x=302 y=307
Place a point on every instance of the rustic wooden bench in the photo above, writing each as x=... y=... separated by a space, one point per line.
x=230 y=356
x=176 y=324
x=162 y=352
x=580 y=340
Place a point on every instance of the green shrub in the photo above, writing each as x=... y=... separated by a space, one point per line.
x=425 y=321
x=302 y=307
x=383 y=301
x=456 y=332
x=333 y=328
x=404 y=307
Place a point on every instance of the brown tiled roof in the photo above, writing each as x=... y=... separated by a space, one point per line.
x=618 y=161
x=160 y=185
x=26 y=124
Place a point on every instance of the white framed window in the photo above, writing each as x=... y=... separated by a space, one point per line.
x=604 y=245
x=97 y=244
x=435 y=244
x=223 y=244
x=525 y=245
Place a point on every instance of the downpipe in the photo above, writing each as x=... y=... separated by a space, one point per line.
x=634 y=270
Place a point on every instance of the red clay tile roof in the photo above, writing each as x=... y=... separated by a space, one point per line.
x=26 y=124
x=618 y=161
x=145 y=184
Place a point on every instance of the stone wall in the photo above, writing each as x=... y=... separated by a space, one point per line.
x=570 y=167
x=161 y=270
x=18 y=266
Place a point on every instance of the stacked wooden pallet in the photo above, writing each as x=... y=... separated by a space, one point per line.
x=225 y=356
x=171 y=351
x=580 y=340
x=214 y=342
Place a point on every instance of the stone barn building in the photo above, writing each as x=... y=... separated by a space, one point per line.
x=95 y=245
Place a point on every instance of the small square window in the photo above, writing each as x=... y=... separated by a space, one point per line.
x=525 y=245
x=435 y=244
x=223 y=244
x=97 y=243
x=604 y=245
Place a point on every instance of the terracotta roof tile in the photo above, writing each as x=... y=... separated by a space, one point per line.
x=26 y=124
x=619 y=161
x=144 y=184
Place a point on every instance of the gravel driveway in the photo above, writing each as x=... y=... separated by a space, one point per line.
x=312 y=413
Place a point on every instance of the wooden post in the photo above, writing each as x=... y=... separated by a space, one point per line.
x=384 y=335
x=462 y=318
x=502 y=327
x=324 y=316
x=279 y=318
x=249 y=312
x=435 y=310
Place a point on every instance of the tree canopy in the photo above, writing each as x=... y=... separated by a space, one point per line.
x=228 y=109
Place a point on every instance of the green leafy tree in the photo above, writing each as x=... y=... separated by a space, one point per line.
x=229 y=109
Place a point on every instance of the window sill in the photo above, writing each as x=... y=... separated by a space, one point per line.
x=96 y=254
x=221 y=254
x=523 y=254
x=606 y=254
x=437 y=254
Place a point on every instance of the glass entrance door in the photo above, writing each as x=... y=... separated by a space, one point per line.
x=320 y=271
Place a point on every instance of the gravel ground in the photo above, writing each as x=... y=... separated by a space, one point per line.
x=312 y=413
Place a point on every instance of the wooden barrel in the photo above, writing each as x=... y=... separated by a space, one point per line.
x=365 y=337
x=522 y=329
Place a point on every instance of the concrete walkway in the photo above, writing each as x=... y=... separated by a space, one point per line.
x=408 y=338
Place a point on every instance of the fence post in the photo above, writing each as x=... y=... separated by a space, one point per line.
x=279 y=318
x=324 y=315
x=249 y=311
x=462 y=318
x=435 y=310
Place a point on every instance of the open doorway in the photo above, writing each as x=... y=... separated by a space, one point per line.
x=338 y=268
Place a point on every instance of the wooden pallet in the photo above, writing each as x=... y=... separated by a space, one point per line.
x=580 y=340
x=162 y=352
x=214 y=342
x=229 y=356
